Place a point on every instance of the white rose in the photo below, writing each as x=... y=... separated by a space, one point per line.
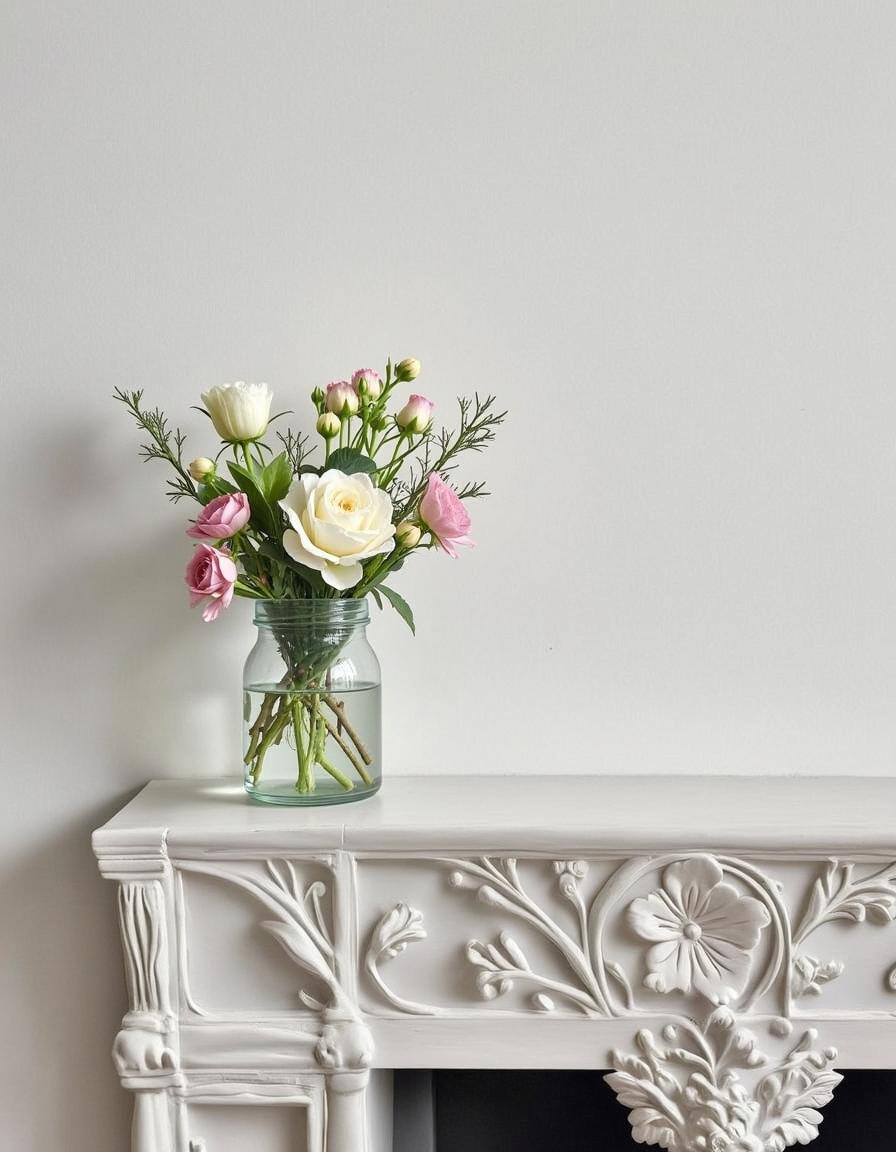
x=337 y=521
x=240 y=411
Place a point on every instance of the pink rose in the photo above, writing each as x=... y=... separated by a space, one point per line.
x=444 y=515
x=342 y=398
x=416 y=416
x=222 y=517
x=210 y=574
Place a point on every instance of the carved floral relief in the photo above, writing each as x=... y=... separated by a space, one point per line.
x=713 y=933
x=702 y=932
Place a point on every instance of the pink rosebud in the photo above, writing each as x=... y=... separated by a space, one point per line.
x=222 y=517
x=416 y=416
x=372 y=384
x=444 y=515
x=210 y=576
x=342 y=398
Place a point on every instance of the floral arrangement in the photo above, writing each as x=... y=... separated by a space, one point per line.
x=280 y=525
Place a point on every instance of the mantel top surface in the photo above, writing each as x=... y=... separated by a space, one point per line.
x=532 y=813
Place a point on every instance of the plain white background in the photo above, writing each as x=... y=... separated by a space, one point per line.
x=662 y=232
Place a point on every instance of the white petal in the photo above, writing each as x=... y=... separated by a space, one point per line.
x=689 y=881
x=294 y=547
x=342 y=576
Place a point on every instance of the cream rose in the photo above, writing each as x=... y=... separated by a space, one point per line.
x=240 y=411
x=337 y=521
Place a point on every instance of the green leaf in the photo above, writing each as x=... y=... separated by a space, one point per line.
x=377 y=598
x=400 y=605
x=266 y=517
x=274 y=551
x=276 y=478
x=214 y=486
x=350 y=460
x=248 y=557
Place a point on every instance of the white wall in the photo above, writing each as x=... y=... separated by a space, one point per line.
x=663 y=232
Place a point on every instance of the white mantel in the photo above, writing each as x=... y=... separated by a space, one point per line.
x=735 y=931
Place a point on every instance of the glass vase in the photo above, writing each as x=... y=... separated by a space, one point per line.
x=312 y=726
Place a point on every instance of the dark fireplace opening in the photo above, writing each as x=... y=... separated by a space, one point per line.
x=483 y=1110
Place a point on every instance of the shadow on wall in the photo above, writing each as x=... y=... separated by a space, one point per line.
x=65 y=994
x=146 y=679
x=115 y=682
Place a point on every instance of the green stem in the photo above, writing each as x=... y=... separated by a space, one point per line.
x=379 y=573
x=348 y=752
x=305 y=782
x=274 y=730
x=337 y=707
x=334 y=772
x=384 y=440
x=242 y=589
x=384 y=480
x=263 y=717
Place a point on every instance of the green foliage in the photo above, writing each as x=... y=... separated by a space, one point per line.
x=164 y=444
x=400 y=605
x=475 y=432
x=266 y=517
x=275 y=551
x=276 y=478
x=214 y=486
x=350 y=461
x=296 y=448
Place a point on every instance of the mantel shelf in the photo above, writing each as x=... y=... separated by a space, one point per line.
x=783 y=814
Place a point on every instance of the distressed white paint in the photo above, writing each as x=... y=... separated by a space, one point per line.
x=570 y=954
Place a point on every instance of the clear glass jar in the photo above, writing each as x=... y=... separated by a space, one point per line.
x=312 y=726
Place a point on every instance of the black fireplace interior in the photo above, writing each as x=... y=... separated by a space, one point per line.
x=551 y=1111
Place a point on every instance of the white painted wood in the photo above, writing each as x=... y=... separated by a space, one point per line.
x=720 y=942
x=539 y=813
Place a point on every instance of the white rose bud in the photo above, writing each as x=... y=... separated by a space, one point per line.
x=201 y=468
x=367 y=383
x=407 y=370
x=239 y=411
x=416 y=416
x=408 y=534
x=328 y=425
x=342 y=398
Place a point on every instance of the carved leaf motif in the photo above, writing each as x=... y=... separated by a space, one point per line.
x=300 y=928
x=497 y=884
x=809 y=974
x=499 y=967
x=837 y=895
x=398 y=928
x=297 y=944
x=689 y=1097
x=791 y=1103
x=735 y=1047
x=654 y=1118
